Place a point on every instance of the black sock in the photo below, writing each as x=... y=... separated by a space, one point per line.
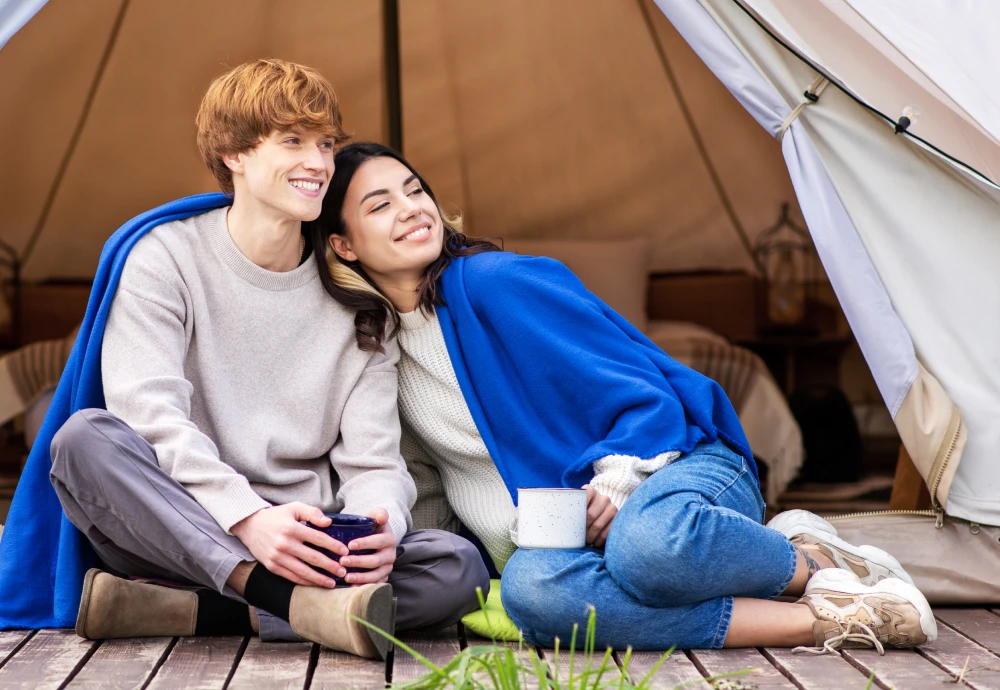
x=268 y=591
x=219 y=615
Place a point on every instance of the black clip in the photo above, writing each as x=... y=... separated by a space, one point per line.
x=810 y=96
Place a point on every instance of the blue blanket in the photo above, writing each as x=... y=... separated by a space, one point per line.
x=555 y=379
x=43 y=557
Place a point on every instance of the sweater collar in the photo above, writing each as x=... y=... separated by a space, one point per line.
x=415 y=320
x=223 y=245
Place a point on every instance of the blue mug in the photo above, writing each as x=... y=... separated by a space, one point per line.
x=345 y=528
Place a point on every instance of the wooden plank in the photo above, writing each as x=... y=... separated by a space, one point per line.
x=9 y=641
x=521 y=649
x=439 y=647
x=198 y=663
x=715 y=662
x=677 y=669
x=954 y=652
x=46 y=661
x=272 y=665
x=560 y=666
x=340 y=671
x=816 y=671
x=122 y=664
x=979 y=624
x=899 y=668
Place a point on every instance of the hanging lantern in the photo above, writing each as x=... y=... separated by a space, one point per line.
x=786 y=256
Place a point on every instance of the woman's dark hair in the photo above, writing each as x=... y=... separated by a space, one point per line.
x=347 y=281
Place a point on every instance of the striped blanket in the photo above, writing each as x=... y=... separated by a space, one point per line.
x=767 y=421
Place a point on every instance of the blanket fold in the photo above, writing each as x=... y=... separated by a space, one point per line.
x=555 y=379
x=43 y=557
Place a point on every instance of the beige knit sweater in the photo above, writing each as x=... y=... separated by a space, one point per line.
x=248 y=383
x=448 y=459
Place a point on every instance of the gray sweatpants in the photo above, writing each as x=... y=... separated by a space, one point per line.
x=142 y=522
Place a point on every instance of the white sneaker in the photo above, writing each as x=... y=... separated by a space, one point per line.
x=870 y=563
x=850 y=614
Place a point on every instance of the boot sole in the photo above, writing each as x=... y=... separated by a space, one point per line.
x=837 y=580
x=88 y=589
x=377 y=609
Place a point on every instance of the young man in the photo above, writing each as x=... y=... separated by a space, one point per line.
x=239 y=405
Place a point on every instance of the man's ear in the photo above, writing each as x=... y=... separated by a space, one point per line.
x=342 y=247
x=234 y=161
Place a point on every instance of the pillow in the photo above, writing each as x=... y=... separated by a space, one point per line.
x=615 y=271
x=493 y=622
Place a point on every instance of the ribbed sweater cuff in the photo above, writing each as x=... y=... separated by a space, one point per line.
x=230 y=505
x=617 y=476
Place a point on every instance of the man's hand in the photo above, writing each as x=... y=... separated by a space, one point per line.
x=380 y=562
x=279 y=542
x=600 y=514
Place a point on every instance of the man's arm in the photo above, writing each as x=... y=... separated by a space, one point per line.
x=373 y=476
x=142 y=362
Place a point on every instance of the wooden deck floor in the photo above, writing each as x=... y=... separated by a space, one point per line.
x=968 y=648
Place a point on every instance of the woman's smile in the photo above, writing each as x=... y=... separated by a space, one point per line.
x=418 y=233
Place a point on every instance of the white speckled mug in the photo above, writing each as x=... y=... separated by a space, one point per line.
x=551 y=518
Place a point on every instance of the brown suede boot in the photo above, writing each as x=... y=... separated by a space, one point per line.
x=112 y=607
x=323 y=616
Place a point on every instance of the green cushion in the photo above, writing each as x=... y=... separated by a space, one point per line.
x=494 y=621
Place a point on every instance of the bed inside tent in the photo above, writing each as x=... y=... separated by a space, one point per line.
x=624 y=138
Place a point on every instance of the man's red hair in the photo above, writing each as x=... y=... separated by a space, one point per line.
x=249 y=102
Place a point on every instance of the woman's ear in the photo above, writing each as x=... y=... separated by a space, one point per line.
x=342 y=247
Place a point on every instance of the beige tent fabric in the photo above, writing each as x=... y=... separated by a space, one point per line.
x=537 y=119
x=138 y=149
x=931 y=429
x=556 y=120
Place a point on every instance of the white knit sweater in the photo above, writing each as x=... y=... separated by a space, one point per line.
x=448 y=459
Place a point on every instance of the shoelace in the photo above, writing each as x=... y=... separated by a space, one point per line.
x=831 y=646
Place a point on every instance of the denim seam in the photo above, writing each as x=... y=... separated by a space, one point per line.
x=739 y=475
x=793 y=557
x=723 y=630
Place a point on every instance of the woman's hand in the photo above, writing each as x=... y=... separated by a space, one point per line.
x=380 y=562
x=279 y=542
x=601 y=513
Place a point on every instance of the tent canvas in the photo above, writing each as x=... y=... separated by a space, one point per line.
x=904 y=224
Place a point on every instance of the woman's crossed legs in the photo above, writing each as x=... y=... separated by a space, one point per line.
x=687 y=563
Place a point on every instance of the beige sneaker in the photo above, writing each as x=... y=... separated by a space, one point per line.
x=870 y=563
x=324 y=616
x=112 y=608
x=850 y=614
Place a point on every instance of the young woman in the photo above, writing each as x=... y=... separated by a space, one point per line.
x=513 y=374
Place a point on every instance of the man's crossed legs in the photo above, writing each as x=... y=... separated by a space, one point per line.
x=143 y=523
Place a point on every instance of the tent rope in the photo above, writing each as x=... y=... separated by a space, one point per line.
x=77 y=133
x=811 y=95
x=699 y=143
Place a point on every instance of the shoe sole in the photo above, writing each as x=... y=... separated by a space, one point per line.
x=377 y=609
x=793 y=523
x=88 y=589
x=837 y=580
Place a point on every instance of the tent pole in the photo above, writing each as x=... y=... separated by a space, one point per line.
x=77 y=132
x=727 y=204
x=393 y=70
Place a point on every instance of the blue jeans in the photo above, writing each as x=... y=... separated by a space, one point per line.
x=686 y=542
